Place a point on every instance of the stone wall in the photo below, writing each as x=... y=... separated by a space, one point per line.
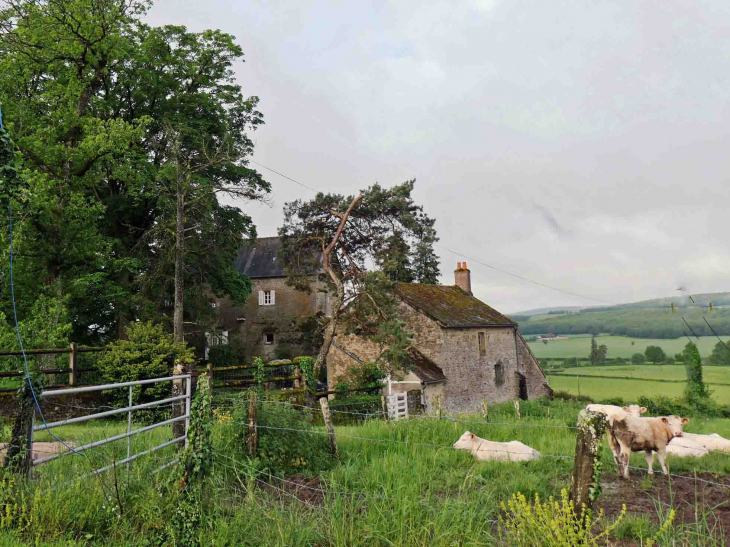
x=537 y=385
x=472 y=377
x=56 y=408
x=282 y=319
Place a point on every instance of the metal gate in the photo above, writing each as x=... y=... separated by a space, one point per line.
x=128 y=410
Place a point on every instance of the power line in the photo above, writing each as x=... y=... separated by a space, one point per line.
x=495 y=268
x=713 y=332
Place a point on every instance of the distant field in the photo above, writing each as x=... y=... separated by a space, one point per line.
x=631 y=390
x=618 y=346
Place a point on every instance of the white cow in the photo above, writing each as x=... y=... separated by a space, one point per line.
x=484 y=450
x=686 y=447
x=712 y=442
x=647 y=434
x=612 y=412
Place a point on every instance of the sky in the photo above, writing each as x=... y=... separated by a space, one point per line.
x=581 y=145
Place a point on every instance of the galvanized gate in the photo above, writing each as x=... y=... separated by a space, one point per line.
x=128 y=410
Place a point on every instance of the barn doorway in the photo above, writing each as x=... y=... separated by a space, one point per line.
x=523 y=386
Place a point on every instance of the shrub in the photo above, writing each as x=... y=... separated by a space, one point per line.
x=281 y=451
x=283 y=351
x=357 y=406
x=366 y=375
x=571 y=362
x=551 y=524
x=147 y=353
x=565 y=396
x=227 y=355
x=637 y=358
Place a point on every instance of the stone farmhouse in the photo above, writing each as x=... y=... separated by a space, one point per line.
x=273 y=315
x=463 y=350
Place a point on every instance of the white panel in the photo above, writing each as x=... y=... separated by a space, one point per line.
x=261 y=298
x=273 y=297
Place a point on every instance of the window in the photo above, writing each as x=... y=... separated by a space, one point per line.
x=267 y=298
x=482 y=343
x=268 y=338
x=215 y=339
x=214 y=305
x=499 y=374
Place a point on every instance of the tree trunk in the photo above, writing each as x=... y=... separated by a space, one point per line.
x=178 y=325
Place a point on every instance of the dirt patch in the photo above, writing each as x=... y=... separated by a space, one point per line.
x=690 y=495
x=308 y=490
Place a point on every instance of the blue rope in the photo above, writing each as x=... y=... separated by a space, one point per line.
x=17 y=327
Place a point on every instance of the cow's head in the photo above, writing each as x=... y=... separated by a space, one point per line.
x=635 y=410
x=675 y=424
x=466 y=441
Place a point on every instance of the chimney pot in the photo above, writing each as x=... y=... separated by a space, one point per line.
x=462 y=277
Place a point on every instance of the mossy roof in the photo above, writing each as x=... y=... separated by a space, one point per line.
x=426 y=370
x=450 y=306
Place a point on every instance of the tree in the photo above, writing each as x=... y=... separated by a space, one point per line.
x=349 y=234
x=637 y=358
x=655 y=354
x=593 y=356
x=98 y=99
x=696 y=390
x=601 y=354
x=720 y=354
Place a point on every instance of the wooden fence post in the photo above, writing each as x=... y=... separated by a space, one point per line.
x=330 y=428
x=210 y=378
x=548 y=414
x=485 y=410
x=19 y=456
x=178 y=407
x=72 y=375
x=384 y=406
x=253 y=439
x=591 y=427
x=517 y=410
x=298 y=373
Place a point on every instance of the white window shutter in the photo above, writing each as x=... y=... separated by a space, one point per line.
x=261 y=298
x=273 y=297
x=224 y=337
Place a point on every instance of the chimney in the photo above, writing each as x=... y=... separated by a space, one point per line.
x=462 y=277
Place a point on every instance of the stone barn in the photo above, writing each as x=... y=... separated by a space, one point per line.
x=463 y=350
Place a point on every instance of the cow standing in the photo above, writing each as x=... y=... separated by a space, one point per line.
x=612 y=412
x=648 y=434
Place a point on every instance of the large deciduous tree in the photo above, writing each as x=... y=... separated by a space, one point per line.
x=96 y=99
x=345 y=236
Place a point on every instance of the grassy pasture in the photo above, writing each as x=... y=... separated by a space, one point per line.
x=629 y=390
x=618 y=346
x=397 y=484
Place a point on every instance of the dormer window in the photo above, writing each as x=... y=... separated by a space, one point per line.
x=267 y=298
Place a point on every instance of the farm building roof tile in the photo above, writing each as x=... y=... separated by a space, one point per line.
x=260 y=259
x=426 y=370
x=450 y=306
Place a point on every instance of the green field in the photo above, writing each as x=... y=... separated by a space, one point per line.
x=645 y=383
x=618 y=346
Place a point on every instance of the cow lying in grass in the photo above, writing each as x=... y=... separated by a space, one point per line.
x=647 y=434
x=612 y=412
x=686 y=447
x=484 y=450
x=712 y=442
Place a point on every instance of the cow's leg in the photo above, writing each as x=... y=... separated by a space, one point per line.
x=624 y=453
x=662 y=455
x=649 y=455
x=615 y=448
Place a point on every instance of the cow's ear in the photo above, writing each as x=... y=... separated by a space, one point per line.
x=626 y=409
x=472 y=436
x=685 y=421
x=665 y=420
x=642 y=410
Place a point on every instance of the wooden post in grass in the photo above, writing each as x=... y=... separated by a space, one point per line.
x=178 y=407
x=253 y=439
x=384 y=406
x=591 y=428
x=330 y=428
x=210 y=378
x=548 y=414
x=517 y=409
x=73 y=374
x=485 y=410
x=19 y=455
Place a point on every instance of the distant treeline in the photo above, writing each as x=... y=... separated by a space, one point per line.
x=638 y=323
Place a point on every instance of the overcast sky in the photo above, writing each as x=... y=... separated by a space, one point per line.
x=580 y=144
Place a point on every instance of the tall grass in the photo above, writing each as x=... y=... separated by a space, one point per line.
x=396 y=484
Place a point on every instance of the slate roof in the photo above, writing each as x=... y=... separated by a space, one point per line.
x=260 y=260
x=426 y=370
x=450 y=306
